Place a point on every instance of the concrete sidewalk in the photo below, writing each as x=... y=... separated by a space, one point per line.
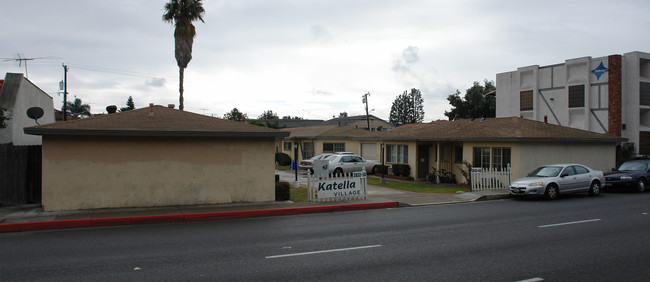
x=31 y=217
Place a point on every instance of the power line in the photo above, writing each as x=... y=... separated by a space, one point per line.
x=120 y=72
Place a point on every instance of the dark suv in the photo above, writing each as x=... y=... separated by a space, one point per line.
x=631 y=175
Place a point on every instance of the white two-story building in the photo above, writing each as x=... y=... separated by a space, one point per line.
x=608 y=94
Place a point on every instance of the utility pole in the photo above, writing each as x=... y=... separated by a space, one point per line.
x=365 y=100
x=65 y=91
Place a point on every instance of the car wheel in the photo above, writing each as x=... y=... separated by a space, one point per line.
x=551 y=192
x=640 y=187
x=311 y=171
x=374 y=168
x=594 y=189
x=338 y=171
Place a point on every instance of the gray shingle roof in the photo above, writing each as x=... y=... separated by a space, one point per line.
x=495 y=129
x=155 y=121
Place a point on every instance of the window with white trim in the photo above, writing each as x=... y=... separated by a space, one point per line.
x=500 y=158
x=481 y=157
x=397 y=154
x=333 y=147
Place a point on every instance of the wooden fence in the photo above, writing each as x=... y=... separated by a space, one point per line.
x=20 y=174
x=485 y=179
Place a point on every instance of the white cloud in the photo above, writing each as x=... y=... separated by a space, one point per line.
x=306 y=58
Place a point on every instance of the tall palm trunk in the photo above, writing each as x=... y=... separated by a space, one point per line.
x=180 y=88
x=181 y=13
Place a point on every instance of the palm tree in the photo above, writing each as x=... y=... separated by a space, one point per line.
x=78 y=109
x=182 y=13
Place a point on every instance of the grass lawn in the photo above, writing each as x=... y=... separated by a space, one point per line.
x=298 y=195
x=277 y=167
x=415 y=187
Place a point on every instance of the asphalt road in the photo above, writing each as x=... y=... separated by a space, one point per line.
x=576 y=238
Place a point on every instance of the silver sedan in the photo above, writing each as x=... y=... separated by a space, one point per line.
x=347 y=163
x=552 y=180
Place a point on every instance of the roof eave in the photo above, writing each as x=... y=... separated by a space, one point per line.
x=151 y=133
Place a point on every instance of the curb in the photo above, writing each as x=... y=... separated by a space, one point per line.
x=148 y=219
x=493 y=197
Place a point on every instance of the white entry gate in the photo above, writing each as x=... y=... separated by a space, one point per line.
x=351 y=186
x=485 y=179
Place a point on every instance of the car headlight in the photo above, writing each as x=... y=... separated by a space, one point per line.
x=536 y=184
x=627 y=177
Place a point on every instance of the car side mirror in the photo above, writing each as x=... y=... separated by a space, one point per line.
x=564 y=174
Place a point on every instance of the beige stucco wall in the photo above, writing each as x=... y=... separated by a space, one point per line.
x=90 y=173
x=600 y=156
x=353 y=146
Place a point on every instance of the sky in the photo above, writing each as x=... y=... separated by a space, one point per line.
x=308 y=58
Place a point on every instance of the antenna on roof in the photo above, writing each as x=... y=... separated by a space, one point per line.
x=21 y=59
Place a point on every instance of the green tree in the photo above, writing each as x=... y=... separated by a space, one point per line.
x=289 y=117
x=3 y=118
x=343 y=115
x=77 y=108
x=258 y=123
x=235 y=115
x=129 y=105
x=182 y=13
x=268 y=115
x=407 y=108
x=475 y=104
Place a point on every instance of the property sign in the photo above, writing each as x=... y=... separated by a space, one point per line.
x=339 y=188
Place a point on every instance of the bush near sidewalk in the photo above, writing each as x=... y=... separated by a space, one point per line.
x=282 y=191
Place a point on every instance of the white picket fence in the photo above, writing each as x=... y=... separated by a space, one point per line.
x=343 y=187
x=485 y=179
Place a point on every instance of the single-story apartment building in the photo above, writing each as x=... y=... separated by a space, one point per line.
x=314 y=140
x=495 y=143
x=155 y=156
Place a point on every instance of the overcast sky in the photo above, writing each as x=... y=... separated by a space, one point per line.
x=312 y=59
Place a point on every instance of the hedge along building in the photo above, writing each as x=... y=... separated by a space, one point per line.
x=608 y=94
x=155 y=156
x=494 y=143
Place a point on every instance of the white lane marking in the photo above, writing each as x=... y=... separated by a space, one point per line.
x=536 y=279
x=568 y=223
x=323 y=251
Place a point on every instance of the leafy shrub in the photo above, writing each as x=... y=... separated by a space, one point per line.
x=282 y=191
x=466 y=171
x=282 y=159
x=406 y=170
x=397 y=169
x=401 y=170
x=277 y=178
x=380 y=168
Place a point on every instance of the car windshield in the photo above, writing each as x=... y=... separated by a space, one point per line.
x=546 y=171
x=318 y=157
x=632 y=166
x=330 y=157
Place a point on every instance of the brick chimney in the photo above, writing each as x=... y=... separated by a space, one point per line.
x=614 y=114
